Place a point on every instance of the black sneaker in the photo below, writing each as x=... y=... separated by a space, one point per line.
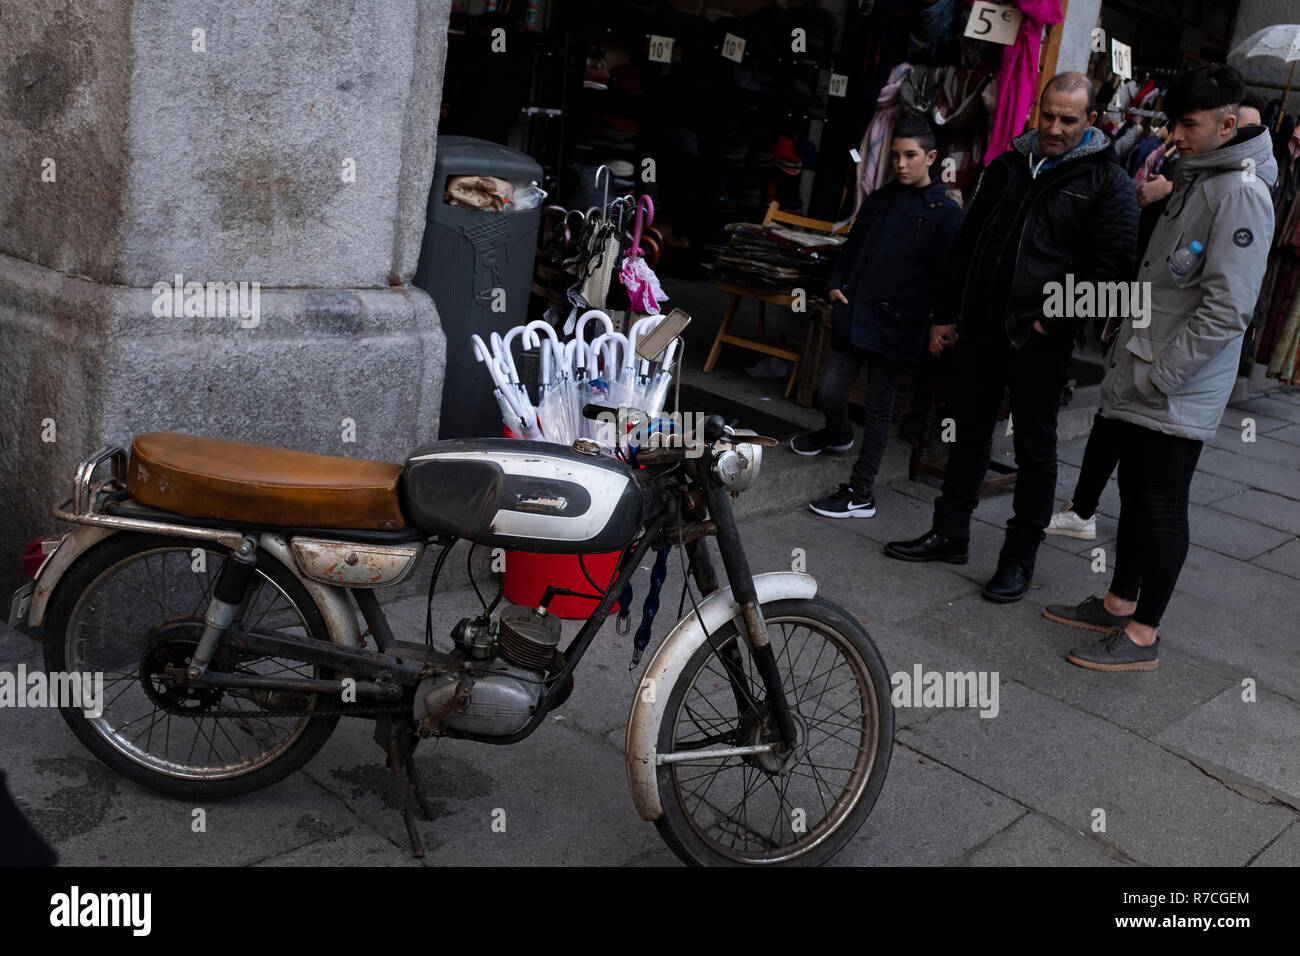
x=814 y=443
x=845 y=503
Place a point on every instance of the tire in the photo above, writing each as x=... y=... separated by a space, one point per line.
x=704 y=704
x=103 y=618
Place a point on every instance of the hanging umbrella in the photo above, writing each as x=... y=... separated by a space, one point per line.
x=1281 y=42
x=643 y=288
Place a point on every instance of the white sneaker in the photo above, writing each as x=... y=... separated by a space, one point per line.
x=1066 y=522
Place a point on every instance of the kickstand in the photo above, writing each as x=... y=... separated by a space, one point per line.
x=399 y=744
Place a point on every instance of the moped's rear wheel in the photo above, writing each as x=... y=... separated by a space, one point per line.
x=133 y=606
x=800 y=807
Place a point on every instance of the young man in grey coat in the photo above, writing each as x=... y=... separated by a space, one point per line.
x=1170 y=373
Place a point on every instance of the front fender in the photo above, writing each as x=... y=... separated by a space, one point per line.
x=666 y=667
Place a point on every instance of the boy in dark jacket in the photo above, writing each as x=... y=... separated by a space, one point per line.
x=882 y=288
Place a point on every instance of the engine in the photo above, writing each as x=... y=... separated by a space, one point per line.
x=503 y=676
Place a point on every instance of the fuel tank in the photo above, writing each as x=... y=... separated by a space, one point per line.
x=522 y=495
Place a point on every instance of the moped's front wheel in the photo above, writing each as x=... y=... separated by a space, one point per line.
x=794 y=807
x=131 y=608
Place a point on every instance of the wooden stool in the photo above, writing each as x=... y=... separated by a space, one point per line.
x=813 y=334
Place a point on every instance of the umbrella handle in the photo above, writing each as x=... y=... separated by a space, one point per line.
x=531 y=341
x=510 y=336
x=582 y=323
x=639 y=329
x=481 y=351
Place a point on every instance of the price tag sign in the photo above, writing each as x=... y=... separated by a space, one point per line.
x=733 y=47
x=839 y=85
x=661 y=49
x=1121 y=59
x=994 y=22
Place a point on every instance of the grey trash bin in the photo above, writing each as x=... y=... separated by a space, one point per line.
x=468 y=254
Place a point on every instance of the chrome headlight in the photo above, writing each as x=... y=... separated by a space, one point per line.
x=737 y=465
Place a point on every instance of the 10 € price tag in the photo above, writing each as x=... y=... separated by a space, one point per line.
x=1121 y=59
x=733 y=47
x=996 y=23
x=661 y=49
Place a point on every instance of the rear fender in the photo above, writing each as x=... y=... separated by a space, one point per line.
x=332 y=602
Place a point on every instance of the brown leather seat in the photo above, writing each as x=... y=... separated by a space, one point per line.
x=260 y=484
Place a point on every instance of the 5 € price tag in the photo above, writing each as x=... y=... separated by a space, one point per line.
x=839 y=84
x=733 y=47
x=996 y=23
x=661 y=49
x=1121 y=59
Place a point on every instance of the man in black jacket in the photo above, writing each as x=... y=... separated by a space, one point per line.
x=1056 y=204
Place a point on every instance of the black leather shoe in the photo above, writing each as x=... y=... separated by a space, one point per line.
x=931 y=546
x=1009 y=583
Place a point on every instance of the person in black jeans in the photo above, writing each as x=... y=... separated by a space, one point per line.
x=1078 y=517
x=1055 y=208
x=1168 y=378
x=883 y=289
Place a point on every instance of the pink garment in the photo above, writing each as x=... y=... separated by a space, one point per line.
x=873 y=168
x=1147 y=169
x=1018 y=78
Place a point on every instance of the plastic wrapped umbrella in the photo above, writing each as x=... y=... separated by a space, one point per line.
x=643 y=288
x=552 y=404
x=516 y=416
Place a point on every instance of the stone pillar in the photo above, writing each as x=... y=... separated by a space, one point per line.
x=287 y=146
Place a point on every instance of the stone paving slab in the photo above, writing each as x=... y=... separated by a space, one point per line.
x=1207 y=488
x=1235 y=416
x=1263 y=508
x=1262 y=599
x=1256 y=474
x=94 y=817
x=1256 y=740
x=1264 y=447
x=927 y=815
x=562 y=796
x=1022 y=646
x=1290 y=434
x=1272 y=407
x=1284 y=851
x=355 y=846
x=1223 y=639
x=1035 y=840
x=1284 y=560
x=1236 y=537
x=1160 y=810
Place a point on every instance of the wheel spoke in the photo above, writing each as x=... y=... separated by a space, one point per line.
x=745 y=808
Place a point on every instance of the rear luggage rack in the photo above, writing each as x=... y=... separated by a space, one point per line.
x=86 y=506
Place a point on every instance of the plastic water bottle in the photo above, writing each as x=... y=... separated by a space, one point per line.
x=1184 y=260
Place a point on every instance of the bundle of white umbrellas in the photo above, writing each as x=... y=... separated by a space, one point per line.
x=604 y=370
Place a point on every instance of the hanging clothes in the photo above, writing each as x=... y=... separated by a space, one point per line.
x=873 y=167
x=1149 y=165
x=1018 y=78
